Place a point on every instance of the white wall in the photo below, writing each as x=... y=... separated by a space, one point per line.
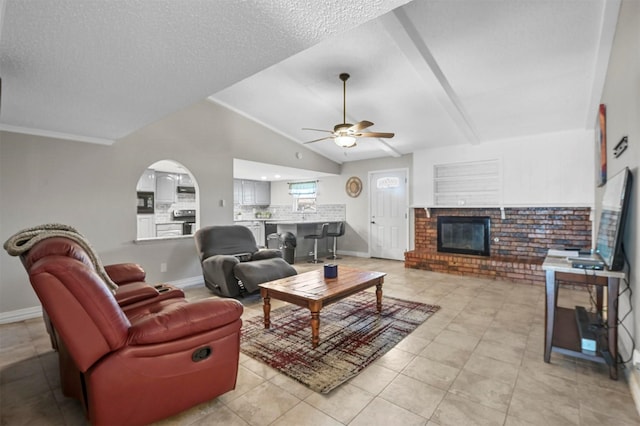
x=543 y=170
x=622 y=98
x=93 y=188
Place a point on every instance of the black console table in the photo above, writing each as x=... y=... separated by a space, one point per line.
x=561 y=330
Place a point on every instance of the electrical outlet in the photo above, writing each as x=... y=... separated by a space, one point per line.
x=163 y=267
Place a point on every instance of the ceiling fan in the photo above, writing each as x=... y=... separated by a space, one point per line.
x=345 y=134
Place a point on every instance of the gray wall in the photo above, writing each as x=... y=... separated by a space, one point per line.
x=622 y=98
x=92 y=187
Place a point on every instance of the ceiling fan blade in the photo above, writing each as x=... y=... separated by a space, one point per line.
x=360 y=126
x=374 y=135
x=317 y=130
x=318 y=140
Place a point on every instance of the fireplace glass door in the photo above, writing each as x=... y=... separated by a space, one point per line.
x=464 y=235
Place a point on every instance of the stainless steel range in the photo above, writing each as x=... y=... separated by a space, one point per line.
x=188 y=219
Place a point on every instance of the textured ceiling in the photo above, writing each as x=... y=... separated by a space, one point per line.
x=434 y=72
x=101 y=70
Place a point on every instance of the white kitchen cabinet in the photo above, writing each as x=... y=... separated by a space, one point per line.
x=168 y=229
x=251 y=192
x=147 y=181
x=166 y=187
x=237 y=191
x=248 y=193
x=257 y=229
x=262 y=193
x=146 y=226
x=258 y=233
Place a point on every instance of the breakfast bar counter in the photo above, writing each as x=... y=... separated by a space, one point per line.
x=300 y=228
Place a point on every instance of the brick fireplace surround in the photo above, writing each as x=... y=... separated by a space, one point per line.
x=524 y=237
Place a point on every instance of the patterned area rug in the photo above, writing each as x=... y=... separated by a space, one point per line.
x=352 y=336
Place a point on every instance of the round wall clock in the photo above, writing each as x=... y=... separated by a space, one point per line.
x=354 y=186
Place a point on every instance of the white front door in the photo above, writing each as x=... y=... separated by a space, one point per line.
x=389 y=221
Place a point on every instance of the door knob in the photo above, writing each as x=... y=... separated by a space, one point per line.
x=373 y=221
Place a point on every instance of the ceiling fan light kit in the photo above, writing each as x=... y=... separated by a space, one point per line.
x=345 y=141
x=345 y=134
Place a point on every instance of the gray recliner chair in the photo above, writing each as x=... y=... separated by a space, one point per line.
x=232 y=263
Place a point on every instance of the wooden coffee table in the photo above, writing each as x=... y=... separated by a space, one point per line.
x=312 y=290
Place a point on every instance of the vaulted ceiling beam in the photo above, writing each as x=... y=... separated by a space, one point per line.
x=411 y=43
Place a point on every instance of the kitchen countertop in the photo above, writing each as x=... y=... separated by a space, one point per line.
x=299 y=222
x=285 y=221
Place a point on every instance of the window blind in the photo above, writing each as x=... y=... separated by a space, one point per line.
x=303 y=189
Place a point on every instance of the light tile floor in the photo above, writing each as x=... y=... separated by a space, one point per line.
x=477 y=361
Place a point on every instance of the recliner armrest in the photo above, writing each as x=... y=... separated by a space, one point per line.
x=135 y=292
x=266 y=254
x=124 y=273
x=184 y=319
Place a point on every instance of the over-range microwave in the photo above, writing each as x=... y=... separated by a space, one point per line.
x=145 y=202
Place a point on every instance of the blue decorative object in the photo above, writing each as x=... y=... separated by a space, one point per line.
x=330 y=270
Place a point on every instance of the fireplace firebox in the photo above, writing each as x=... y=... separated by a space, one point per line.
x=464 y=234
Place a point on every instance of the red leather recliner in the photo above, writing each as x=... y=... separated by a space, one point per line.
x=132 y=293
x=138 y=364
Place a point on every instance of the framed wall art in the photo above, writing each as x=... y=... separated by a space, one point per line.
x=353 y=186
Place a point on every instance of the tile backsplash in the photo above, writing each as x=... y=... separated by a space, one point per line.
x=324 y=212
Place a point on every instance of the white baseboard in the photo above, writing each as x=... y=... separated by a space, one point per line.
x=188 y=282
x=353 y=253
x=36 y=311
x=633 y=378
x=20 y=315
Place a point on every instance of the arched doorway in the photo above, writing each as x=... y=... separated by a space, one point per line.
x=168 y=202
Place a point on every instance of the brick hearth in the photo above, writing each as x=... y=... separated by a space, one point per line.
x=524 y=237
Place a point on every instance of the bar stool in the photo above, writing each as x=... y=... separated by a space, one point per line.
x=315 y=238
x=339 y=232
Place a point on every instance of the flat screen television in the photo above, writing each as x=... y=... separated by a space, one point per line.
x=615 y=204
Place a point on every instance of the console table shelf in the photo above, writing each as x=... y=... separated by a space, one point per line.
x=561 y=329
x=566 y=337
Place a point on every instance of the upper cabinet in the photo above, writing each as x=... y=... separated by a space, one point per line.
x=263 y=193
x=166 y=187
x=184 y=180
x=237 y=191
x=147 y=181
x=251 y=192
x=248 y=193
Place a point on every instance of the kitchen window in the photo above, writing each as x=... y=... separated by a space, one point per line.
x=304 y=205
x=304 y=196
